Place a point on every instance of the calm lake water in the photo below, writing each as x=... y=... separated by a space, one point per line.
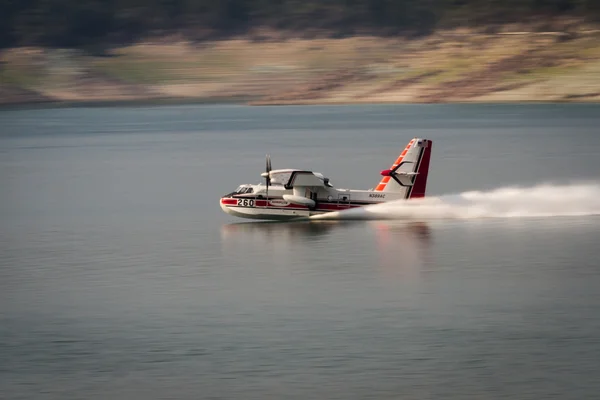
x=121 y=278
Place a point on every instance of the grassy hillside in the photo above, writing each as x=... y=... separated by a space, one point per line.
x=513 y=63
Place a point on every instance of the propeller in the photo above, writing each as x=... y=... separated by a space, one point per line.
x=267 y=173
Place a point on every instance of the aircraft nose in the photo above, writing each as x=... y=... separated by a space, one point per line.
x=228 y=201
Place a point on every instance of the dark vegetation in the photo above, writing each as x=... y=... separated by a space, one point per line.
x=77 y=23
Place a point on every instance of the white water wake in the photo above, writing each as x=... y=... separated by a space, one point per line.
x=509 y=202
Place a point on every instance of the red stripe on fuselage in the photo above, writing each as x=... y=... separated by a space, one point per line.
x=262 y=204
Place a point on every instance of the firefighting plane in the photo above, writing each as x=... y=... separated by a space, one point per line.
x=290 y=194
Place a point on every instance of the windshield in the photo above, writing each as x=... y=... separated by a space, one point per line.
x=243 y=190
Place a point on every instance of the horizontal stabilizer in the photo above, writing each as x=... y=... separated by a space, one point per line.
x=407 y=173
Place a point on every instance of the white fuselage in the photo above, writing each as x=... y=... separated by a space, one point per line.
x=295 y=193
x=282 y=203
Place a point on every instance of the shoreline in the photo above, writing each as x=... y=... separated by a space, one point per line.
x=49 y=105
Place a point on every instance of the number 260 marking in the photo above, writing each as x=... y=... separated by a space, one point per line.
x=245 y=202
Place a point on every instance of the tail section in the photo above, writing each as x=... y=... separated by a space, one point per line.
x=408 y=174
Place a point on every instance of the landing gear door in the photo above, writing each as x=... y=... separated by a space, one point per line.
x=344 y=200
x=310 y=194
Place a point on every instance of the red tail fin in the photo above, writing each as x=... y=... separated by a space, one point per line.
x=408 y=175
x=420 y=182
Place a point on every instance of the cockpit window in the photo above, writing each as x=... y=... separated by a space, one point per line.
x=244 y=189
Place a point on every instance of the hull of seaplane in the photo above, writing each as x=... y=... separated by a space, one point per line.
x=277 y=209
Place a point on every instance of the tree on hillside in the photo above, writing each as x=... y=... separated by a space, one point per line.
x=85 y=22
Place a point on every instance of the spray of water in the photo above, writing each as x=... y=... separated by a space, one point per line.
x=509 y=202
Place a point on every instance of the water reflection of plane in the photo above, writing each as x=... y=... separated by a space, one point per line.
x=279 y=231
x=402 y=247
x=283 y=231
x=398 y=245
